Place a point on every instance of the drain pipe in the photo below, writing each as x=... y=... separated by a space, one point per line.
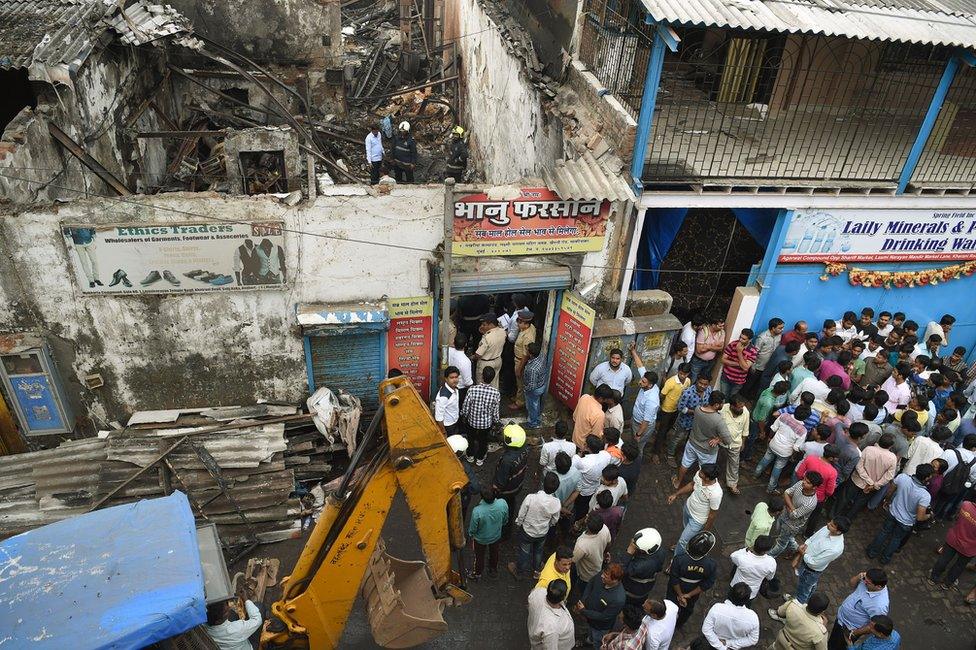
x=631 y=258
x=445 y=329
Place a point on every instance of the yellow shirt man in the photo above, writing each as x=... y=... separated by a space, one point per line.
x=671 y=393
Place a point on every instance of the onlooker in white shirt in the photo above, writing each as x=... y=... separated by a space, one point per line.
x=659 y=624
x=447 y=408
x=732 y=624
x=896 y=386
x=232 y=635
x=457 y=358
x=547 y=457
x=550 y=624
x=752 y=565
x=374 y=153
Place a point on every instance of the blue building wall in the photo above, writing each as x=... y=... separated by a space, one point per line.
x=797 y=293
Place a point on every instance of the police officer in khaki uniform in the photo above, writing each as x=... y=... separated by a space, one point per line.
x=526 y=335
x=489 y=352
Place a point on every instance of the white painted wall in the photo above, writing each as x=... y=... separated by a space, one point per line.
x=511 y=134
x=216 y=348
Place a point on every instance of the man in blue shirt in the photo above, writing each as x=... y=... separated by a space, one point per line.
x=879 y=634
x=646 y=406
x=909 y=504
x=815 y=555
x=534 y=384
x=614 y=372
x=869 y=598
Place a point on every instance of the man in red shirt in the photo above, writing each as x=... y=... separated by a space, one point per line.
x=959 y=547
x=737 y=359
x=798 y=333
x=826 y=468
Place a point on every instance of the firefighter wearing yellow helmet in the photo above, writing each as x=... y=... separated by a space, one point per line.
x=510 y=471
x=457 y=155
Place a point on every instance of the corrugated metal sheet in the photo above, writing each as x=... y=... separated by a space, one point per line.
x=64 y=32
x=541 y=279
x=144 y=23
x=586 y=179
x=47 y=31
x=353 y=363
x=953 y=24
x=38 y=488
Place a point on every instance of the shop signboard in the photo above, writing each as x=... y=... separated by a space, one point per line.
x=410 y=339
x=879 y=236
x=177 y=257
x=572 y=349
x=538 y=222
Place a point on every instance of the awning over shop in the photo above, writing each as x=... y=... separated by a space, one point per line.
x=318 y=318
x=537 y=279
x=122 y=577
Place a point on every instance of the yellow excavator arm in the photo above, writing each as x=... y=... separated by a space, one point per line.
x=404 y=600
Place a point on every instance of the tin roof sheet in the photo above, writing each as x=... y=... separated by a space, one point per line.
x=586 y=179
x=64 y=32
x=932 y=22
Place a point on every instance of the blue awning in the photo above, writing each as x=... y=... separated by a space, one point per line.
x=123 y=577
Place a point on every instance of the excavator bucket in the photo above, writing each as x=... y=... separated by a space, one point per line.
x=400 y=603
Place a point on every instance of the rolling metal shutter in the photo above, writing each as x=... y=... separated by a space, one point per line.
x=353 y=362
x=536 y=279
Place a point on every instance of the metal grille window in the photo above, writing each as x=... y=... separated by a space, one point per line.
x=736 y=107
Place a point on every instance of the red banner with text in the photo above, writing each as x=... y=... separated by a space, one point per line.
x=572 y=349
x=410 y=339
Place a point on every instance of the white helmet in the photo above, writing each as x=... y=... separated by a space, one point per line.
x=404 y=125
x=647 y=540
x=458 y=443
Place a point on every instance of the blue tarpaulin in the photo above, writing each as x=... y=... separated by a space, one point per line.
x=122 y=577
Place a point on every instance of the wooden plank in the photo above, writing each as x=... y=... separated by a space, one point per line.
x=76 y=150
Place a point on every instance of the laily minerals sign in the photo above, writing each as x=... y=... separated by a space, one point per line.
x=537 y=222
x=879 y=235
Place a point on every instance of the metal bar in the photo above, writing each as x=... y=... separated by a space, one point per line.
x=218 y=93
x=635 y=242
x=138 y=473
x=374 y=424
x=924 y=131
x=645 y=121
x=167 y=120
x=179 y=134
x=75 y=150
x=410 y=89
x=445 y=329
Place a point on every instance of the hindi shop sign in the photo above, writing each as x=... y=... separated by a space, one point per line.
x=879 y=235
x=176 y=258
x=536 y=223
x=410 y=339
x=572 y=349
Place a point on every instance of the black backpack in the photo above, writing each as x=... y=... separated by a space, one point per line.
x=955 y=481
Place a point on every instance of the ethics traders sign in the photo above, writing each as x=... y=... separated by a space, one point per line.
x=538 y=222
x=176 y=258
x=879 y=235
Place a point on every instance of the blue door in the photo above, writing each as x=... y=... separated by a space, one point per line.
x=352 y=362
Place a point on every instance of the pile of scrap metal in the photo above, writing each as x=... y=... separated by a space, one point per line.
x=237 y=465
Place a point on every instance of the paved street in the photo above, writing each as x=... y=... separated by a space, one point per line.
x=925 y=616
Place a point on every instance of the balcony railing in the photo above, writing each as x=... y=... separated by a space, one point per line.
x=767 y=109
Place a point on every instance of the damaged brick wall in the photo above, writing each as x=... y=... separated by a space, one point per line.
x=220 y=348
x=94 y=109
x=503 y=96
x=301 y=40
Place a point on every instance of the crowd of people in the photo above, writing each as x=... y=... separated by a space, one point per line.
x=865 y=413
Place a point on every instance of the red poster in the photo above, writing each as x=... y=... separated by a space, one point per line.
x=572 y=349
x=409 y=341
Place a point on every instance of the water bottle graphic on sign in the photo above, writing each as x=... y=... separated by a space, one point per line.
x=821 y=234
